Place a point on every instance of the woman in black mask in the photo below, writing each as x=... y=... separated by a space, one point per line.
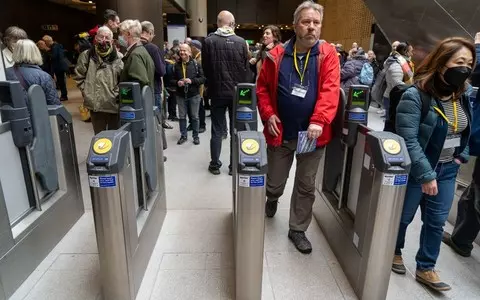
x=437 y=145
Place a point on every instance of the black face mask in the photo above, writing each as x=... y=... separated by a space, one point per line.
x=453 y=79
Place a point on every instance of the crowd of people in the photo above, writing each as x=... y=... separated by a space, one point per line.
x=298 y=86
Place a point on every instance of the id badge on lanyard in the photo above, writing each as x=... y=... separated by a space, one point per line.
x=452 y=141
x=299 y=90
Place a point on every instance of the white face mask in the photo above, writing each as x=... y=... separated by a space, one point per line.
x=122 y=41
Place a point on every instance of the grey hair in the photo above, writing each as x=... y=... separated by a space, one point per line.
x=307 y=5
x=105 y=29
x=13 y=34
x=147 y=26
x=132 y=26
x=26 y=52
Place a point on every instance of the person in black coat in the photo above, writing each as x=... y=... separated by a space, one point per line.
x=225 y=59
x=188 y=77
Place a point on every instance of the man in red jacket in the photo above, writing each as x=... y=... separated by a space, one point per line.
x=298 y=91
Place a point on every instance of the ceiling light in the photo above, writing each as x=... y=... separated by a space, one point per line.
x=91 y=2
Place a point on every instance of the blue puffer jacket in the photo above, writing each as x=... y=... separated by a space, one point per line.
x=33 y=74
x=425 y=141
x=351 y=70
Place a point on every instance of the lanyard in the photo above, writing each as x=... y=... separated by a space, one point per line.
x=302 y=74
x=455 y=116
x=184 y=69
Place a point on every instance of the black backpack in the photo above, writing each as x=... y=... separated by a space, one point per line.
x=395 y=96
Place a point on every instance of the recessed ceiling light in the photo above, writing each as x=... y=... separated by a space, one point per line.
x=91 y=2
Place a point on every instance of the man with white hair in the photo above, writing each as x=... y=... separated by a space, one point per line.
x=298 y=93
x=96 y=74
x=59 y=65
x=225 y=60
x=138 y=65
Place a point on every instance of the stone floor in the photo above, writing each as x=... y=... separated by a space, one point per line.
x=193 y=255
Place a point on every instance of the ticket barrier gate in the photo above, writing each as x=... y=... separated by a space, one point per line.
x=249 y=166
x=359 y=211
x=40 y=190
x=127 y=184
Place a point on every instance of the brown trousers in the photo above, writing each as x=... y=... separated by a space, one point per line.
x=104 y=121
x=280 y=161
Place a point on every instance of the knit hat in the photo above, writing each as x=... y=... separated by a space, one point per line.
x=197 y=44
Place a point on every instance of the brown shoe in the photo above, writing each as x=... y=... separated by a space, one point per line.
x=397 y=265
x=430 y=278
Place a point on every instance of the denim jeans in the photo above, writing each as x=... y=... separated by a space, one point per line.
x=158 y=101
x=434 y=210
x=201 y=115
x=219 y=122
x=193 y=103
x=467 y=225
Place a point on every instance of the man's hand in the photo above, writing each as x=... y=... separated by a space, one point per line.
x=188 y=80
x=181 y=83
x=272 y=125
x=314 y=131
x=457 y=161
x=477 y=38
x=430 y=188
x=253 y=61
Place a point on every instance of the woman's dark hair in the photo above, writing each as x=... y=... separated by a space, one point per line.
x=277 y=38
x=402 y=48
x=433 y=64
x=277 y=34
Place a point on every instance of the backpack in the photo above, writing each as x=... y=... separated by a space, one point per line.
x=395 y=97
x=366 y=74
x=379 y=87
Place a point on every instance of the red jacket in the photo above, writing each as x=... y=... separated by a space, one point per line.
x=328 y=91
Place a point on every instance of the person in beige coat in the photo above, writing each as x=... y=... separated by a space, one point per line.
x=97 y=75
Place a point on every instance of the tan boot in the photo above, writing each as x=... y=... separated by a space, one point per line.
x=397 y=265
x=431 y=279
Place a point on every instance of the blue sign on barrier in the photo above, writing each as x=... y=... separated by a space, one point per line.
x=257 y=181
x=244 y=116
x=400 y=179
x=127 y=115
x=107 y=181
x=357 y=116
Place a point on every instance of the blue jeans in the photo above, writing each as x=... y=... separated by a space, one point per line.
x=194 y=103
x=434 y=210
x=158 y=101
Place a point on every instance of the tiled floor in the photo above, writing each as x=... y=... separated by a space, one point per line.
x=193 y=256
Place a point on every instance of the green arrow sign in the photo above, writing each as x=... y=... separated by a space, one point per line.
x=243 y=93
x=357 y=94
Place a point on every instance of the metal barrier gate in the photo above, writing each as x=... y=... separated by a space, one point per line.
x=127 y=183
x=40 y=190
x=359 y=210
x=249 y=166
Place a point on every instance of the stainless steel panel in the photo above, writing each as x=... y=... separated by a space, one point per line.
x=356 y=173
x=56 y=127
x=37 y=239
x=249 y=242
x=11 y=176
x=153 y=218
x=6 y=237
x=115 y=270
x=383 y=224
x=339 y=235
